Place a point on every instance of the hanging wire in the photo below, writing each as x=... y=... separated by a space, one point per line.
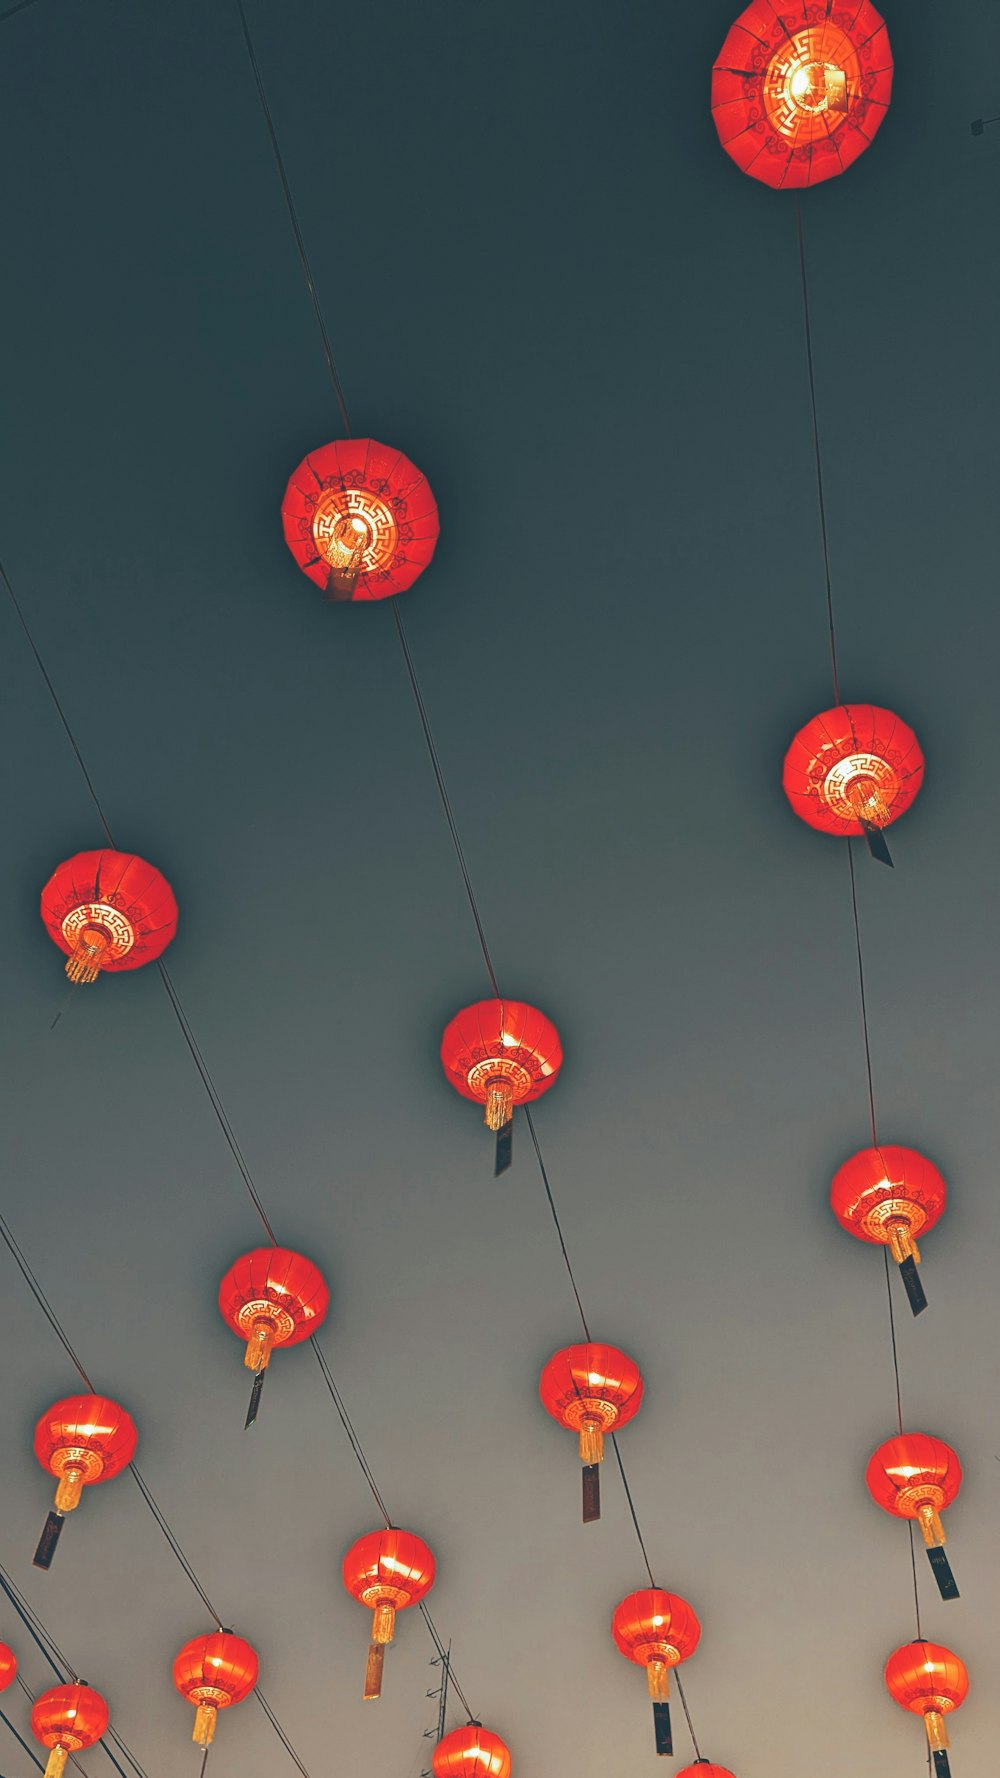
x=22 y=6
x=32 y=1755
x=816 y=448
x=863 y=995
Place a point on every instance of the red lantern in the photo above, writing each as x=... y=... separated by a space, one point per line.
x=657 y=1630
x=930 y=1681
x=472 y=1752
x=8 y=1666
x=271 y=1297
x=853 y=770
x=67 y=1719
x=501 y=1053
x=799 y=90
x=591 y=1389
x=387 y=1570
x=82 y=1439
x=213 y=1672
x=360 y=519
x=703 y=1768
x=890 y=1195
x=915 y=1476
x=108 y=910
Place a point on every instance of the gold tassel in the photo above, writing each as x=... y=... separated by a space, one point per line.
x=91 y=949
x=868 y=802
x=499 y=1104
x=658 y=1679
x=56 y=1763
x=373 y=1671
x=260 y=1344
x=591 y=1442
x=69 y=1490
x=931 y=1526
x=204 y=1724
x=901 y=1242
x=384 y=1622
x=937 y=1731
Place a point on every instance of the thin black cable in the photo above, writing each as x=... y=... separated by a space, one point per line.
x=348 y=1425
x=631 y=1508
x=559 y=1231
x=445 y=1655
x=279 y=1731
x=204 y=1763
x=42 y=1300
x=171 y=1539
x=50 y=1649
x=22 y=6
x=32 y=1755
x=863 y=995
x=816 y=449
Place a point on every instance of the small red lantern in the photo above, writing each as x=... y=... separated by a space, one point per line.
x=472 y=1752
x=799 y=90
x=8 y=1666
x=387 y=1570
x=108 y=910
x=501 y=1053
x=360 y=519
x=213 y=1672
x=657 y=1631
x=930 y=1681
x=81 y=1439
x=591 y=1389
x=854 y=770
x=271 y=1297
x=890 y=1195
x=67 y=1719
x=915 y=1476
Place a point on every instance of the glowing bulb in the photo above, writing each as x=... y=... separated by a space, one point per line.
x=594 y=1379
x=657 y=1621
x=509 y=1042
x=215 y=1660
x=71 y=1714
x=357 y=524
x=800 y=83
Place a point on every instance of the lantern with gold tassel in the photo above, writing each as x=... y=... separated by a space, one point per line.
x=656 y=1630
x=81 y=1439
x=889 y=1195
x=67 y=1719
x=386 y=1570
x=271 y=1297
x=592 y=1389
x=501 y=1053
x=930 y=1681
x=213 y=1672
x=914 y=1476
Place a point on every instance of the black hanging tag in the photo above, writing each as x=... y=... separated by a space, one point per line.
x=505 y=1148
x=877 y=844
x=661 y=1725
x=255 y=1395
x=941 y=1765
x=48 y=1540
x=943 y=1575
x=914 y=1289
x=977 y=126
x=591 y=1492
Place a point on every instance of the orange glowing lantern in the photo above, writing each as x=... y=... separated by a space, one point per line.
x=854 y=770
x=472 y=1752
x=360 y=519
x=67 y=1719
x=657 y=1631
x=386 y=1570
x=271 y=1297
x=8 y=1666
x=890 y=1195
x=914 y=1476
x=800 y=89
x=212 y=1672
x=591 y=1389
x=930 y=1681
x=501 y=1053
x=81 y=1439
x=108 y=911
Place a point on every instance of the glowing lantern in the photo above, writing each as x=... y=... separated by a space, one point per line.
x=271 y=1297
x=8 y=1666
x=703 y=1768
x=854 y=770
x=387 y=1570
x=930 y=1681
x=82 y=1439
x=591 y=1389
x=108 y=910
x=890 y=1195
x=360 y=519
x=657 y=1630
x=799 y=90
x=915 y=1476
x=67 y=1719
x=472 y=1752
x=212 y=1672
x=501 y=1053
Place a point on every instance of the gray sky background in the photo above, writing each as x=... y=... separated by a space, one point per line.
x=548 y=285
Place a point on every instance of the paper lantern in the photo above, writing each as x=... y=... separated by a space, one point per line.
x=108 y=911
x=704 y=1768
x=501 y=1053
x=387 y=1570
x=891 y=1195
x=213 y=1672
x=360 y=519
x=930 y=1681
x=591 y=1389
x=656 y=1630
x=854 y=770
x=8 y=1666
x=82 y=1439
x=914 y=1476
x=66 y=1720
x=271 y=1297
x=472 y=1752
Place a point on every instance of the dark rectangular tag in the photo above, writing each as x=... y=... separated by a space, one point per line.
x=877 y=844
x=48 y=1540
x=591 y=1492
x=941 y=1765
x=505 y=1148
x=914 y=1289
x=255 y=1395
x=943 y=1575
x=661 y=1724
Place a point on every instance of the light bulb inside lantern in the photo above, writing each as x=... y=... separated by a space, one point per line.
x=260 y=1344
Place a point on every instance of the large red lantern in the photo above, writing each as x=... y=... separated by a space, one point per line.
x=930 y=1681
x=799 y=89
x=386 y=1570
x=81 y=1439
x=854 y=770
x=271 y=1297
x=108 y=911
x=501 y=1053
x=656 y=1630
x=914 y=1476
x=67 y=1719
x=360 y=519
x=8 y=1666
x=591 y=1389
x=472 y=1752
x=212 y=1672
x=890 y=1195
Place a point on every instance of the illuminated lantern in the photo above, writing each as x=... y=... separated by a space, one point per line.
x=890 y=1195
x=930 y=1681
x=213 y=1672
x=8 y=1666
x=854 y=770
x=703 y=1768
x=108 y=910
x=501 y=1053
x=657 y=1630
x=271 y=1297
x=592 y=1389
x=67 y=1719
x=472 y=1752
x=387 y=1570
x=800 y=89
x=82 y=1439
x=360 y=519
x=915 y=1476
